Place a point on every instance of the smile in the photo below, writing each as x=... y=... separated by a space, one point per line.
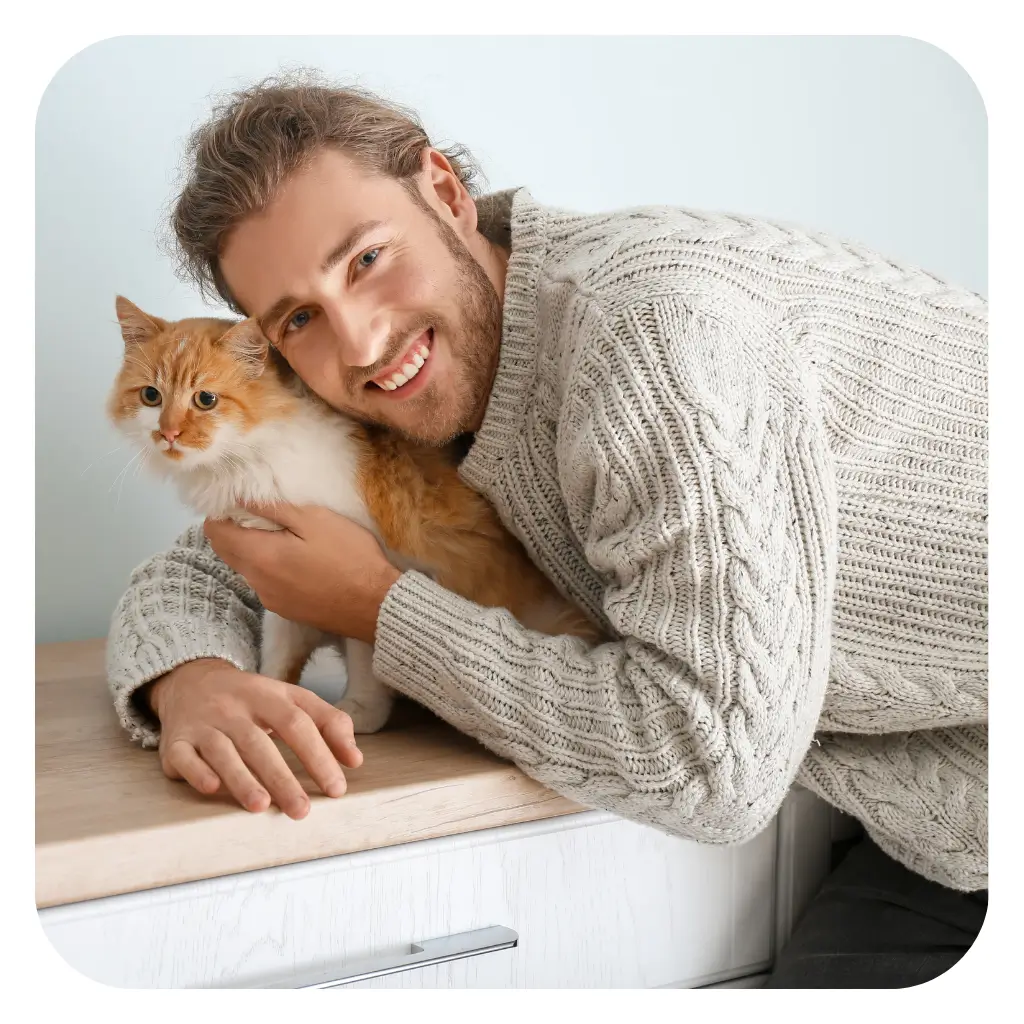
x=396 y=378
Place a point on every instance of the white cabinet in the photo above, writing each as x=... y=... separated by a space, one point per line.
x=592 y=900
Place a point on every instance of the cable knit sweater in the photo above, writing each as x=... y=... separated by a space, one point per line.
x=757 y=455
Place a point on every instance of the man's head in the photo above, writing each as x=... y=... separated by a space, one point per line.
x=328 y=214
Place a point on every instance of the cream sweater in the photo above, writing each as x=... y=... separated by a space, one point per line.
x=757 y=455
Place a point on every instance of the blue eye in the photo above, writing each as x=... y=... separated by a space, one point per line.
x=300 y=319
x=369 y=257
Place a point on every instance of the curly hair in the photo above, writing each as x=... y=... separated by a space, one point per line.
x=256 y=137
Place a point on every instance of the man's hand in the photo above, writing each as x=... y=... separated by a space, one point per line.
x=215 y=722
x=321 y=569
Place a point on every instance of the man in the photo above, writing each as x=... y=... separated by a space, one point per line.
x=756 y=456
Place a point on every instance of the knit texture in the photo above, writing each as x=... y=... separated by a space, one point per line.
x=757 y=456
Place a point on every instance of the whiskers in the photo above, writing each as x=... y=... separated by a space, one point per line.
x=138 y=460
x=119 y=448
x=238 y=460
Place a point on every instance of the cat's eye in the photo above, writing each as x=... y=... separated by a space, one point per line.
x=149 y=396
x=204 y=399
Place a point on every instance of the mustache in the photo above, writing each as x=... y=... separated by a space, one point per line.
x=398 y=343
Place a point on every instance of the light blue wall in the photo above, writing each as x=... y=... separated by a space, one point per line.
x=882 y=140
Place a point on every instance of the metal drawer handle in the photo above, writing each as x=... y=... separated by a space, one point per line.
x=423 y=954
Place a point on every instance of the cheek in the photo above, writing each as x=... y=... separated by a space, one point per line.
x=147 y=418
x=210 y=434
x=416 y=285
x=138 y=422
x=200 y=430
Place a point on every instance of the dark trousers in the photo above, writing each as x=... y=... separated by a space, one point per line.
x=875 y=924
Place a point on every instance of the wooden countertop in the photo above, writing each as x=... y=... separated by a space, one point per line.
x=108 y=821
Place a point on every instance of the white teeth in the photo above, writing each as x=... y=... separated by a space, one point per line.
x=408 y=370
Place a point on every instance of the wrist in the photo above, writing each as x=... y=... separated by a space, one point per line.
x=155 y=693
x=386 y=579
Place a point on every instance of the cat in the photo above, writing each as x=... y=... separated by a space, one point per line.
x=218 y=411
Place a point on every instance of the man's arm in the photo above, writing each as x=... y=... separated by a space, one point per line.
x=702 y=493
x=181 y=656
x=180 y=606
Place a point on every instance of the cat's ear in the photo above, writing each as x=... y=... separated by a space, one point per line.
x=248 y=344
x=136 y=326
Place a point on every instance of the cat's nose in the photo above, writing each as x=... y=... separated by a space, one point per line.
x=170 y=435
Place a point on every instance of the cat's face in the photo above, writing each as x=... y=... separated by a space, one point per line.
x=190 y=390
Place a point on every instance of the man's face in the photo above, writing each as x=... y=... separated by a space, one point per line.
x=374 y=299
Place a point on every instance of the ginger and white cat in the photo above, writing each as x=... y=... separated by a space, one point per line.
x=224 y=417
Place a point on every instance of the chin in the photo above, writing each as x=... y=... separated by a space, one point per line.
x=183 y=460
x=436 y=424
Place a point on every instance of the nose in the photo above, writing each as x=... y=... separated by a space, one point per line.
x=362 y=334
x=170 y=433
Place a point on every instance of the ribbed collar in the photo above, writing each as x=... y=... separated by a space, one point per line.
x=516 y=377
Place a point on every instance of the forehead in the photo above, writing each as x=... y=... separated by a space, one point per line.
x=313 y=210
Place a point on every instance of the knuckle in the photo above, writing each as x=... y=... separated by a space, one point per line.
x=341 y=721
x=215 y=743
x=294 y=719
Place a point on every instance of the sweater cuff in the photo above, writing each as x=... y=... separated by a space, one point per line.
x=416 y=619
x=130 y=665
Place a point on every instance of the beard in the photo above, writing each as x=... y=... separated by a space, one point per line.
x=474 y=342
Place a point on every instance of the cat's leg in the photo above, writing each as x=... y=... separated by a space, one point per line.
x=367 y=700
x=286 y=647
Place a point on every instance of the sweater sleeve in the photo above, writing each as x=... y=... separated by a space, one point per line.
x=181 y=605
x=704 y=502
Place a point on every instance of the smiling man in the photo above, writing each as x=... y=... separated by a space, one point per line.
x=756 y=456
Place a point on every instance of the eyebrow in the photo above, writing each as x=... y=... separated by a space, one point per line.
x=340 y=252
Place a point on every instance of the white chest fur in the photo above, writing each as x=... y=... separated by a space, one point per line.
x=308 y=458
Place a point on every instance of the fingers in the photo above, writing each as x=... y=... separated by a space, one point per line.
x=222 y=741
x=182 y=762
x=219 y=752
x=260 y=754
x=225 y=538
x=294 y=726
x=288 y=516
x=244 y=549
x=333 y=725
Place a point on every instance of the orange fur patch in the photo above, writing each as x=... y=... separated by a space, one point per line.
x=426 y=512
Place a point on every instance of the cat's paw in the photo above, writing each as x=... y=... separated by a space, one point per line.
x=366 y=718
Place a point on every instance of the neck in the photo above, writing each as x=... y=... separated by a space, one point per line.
x=494 y=260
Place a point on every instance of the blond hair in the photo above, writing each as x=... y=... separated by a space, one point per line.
x=258 y=136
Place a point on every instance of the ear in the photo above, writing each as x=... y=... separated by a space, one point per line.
x=439 y=179
x=248 y=344
x=136 y=326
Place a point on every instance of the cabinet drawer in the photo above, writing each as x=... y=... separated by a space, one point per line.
x=595 y=901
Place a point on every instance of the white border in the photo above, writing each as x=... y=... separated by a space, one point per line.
x=44 y=36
